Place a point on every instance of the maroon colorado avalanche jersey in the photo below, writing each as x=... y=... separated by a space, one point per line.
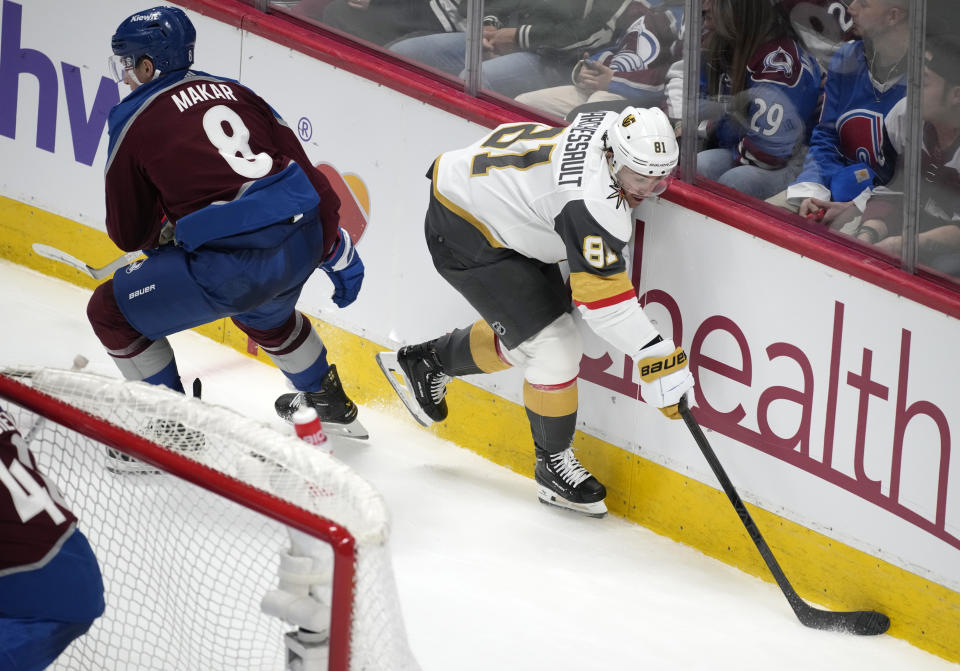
x=34 y=520
x=187 y=140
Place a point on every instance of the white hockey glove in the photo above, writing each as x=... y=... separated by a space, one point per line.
x=664 y=376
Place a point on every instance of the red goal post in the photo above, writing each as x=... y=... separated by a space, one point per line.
x=186 y=554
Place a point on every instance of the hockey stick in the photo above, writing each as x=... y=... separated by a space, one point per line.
x=862 y=622
x=96 y=273
x=79 y=363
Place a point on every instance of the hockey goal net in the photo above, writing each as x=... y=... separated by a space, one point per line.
x=188 y=553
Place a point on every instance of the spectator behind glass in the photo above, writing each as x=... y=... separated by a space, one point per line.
x=938 y=242
x=527 y=44
x=631 y=71
x=823 y=25
x=763 y=89
x=384 y=21
x=849 y=151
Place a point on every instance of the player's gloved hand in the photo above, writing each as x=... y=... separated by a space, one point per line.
x=664 y=376
x=345 y=270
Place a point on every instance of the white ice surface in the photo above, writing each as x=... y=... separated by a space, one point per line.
x=489 y=579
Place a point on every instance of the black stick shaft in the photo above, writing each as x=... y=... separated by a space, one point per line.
x=738 y=505
x=863 y=622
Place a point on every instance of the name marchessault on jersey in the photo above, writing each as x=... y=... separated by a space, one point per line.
x=575 y=148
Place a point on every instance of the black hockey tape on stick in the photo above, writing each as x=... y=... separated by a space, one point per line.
x=861 y=622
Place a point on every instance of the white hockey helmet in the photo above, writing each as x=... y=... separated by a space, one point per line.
x=643 y=140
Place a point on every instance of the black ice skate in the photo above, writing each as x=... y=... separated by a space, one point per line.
x=563 y=482
x=337 y=413
x=166 y=432
x=416 y=374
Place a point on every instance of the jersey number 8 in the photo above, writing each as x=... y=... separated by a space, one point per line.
x=247 y=164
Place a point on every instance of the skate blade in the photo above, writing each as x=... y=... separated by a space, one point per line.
x=354 y=430
x=551 y=498
x=402 y=385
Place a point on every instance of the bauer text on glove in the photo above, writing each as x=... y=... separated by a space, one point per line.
x=664 y=376
x=345 y=269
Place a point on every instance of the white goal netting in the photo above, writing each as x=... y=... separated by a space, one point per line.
x=184 y=567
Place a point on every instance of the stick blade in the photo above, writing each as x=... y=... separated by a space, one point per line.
x=871 y=623
x=55 y=254
x=859 y=622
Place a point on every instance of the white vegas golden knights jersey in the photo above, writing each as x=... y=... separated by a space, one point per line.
x=547 y=193
x=515 y=182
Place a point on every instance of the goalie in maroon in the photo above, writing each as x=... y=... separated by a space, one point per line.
x=50 y=585
x=206 y=178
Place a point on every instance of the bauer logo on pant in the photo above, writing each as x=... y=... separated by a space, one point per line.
x=140 y=292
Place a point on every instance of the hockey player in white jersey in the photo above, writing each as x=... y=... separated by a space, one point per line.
x=503 y=213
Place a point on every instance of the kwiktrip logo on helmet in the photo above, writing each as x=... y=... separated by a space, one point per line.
x=575 y=148
x=152 y=16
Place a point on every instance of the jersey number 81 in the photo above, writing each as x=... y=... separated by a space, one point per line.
x=505 y=136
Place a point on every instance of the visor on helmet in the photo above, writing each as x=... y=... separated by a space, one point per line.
x=642 y=186
x=119 y=65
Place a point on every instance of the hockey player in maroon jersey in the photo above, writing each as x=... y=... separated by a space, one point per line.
x=51 y=590
x=206 y=178
x=503 y=213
